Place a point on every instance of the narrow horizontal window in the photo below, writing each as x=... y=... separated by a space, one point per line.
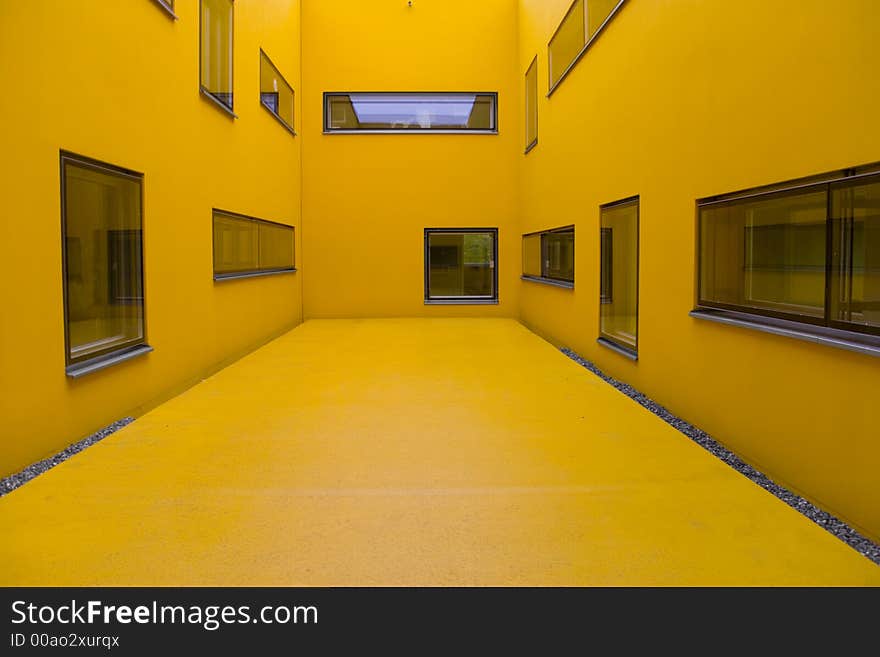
x=248 y=246
x=532 y=105
x=102 y=225
x=807 y=253
x=410 y=112
x=549 y=255
x=460 y=264
x=619 y=262
x=215 y=48
x=275 y=94
x=582 y=23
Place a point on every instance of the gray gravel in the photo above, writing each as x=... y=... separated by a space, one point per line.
x=828 y=522
x=12 y=482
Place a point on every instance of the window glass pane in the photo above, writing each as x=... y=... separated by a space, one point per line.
x=597 y=12
x=381 y=111
x=618 y=319
x=568 y=41
x=276 y=246
x=103 y=260
x=275 y=94
x=216 y=47
x=532 y=255
x=532 y=104
x=243 y=245
x=461 y=264
x=766 y=253
x=558 y=255
x=855 y=264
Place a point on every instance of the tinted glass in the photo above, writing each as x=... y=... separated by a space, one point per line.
x=410 y=112
x=855 y=263
x=568 y=41
x=275 y=94
x=216 y=49
x=558 y=255
x=244 y=245
x=532 y=104
x=103 y=260
x=461 y=265
x=618 y=320
x=766 y=253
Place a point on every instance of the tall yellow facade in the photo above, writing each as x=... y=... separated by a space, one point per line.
x=672 y=102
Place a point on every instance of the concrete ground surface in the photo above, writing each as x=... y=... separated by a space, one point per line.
x=407 y=452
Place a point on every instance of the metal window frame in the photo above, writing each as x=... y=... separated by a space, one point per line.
x=284 y=123
x=249 y=273
x=605 y=339
x=819 y=327
x=609 y=297
x=203 y=90
x=534 y=65
x=464 y=299
x=552 y=86
x=168 y=6
x=328 y=130
x=75 y=367
x=544 y=277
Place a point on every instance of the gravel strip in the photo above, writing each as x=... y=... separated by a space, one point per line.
x=12 y=482
x=828 y=522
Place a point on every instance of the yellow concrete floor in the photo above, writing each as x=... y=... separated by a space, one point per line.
x=407 y=452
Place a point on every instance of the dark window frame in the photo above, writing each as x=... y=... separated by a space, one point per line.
x=534 y=65
x=545 y=277
x=274 y=113
x=460 y=300
x=329 y=130
x=210 y=95
x=604 y=339
x=862 y=338
x=250 y=273
x=589 y=42
x=606 y=269
x=75 y=367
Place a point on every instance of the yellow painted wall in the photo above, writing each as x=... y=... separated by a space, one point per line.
x=368 y=198
x=118 y=82
x=682 y=99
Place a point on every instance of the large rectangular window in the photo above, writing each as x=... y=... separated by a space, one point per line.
x=410 y=112
x=619 y=263
x=245 y=246
x=805 y=252
x=460 y=265
x=583 y=21
x=215 y=50
x=102 y=224
x=548 y=256
x=275 y=94
x=532 y=105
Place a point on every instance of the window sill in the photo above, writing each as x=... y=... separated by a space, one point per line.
x=461 y=302
x=279 y=119
x=207 y=95
x=623 y=351
x=253 y=274
x=420 y=131
x=567 y=285
x=849 y=340
x=102 y=362
x=530 y=147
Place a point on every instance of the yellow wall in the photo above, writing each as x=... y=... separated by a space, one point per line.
x=679 y=100
x=118 y=82
x=368 y=198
